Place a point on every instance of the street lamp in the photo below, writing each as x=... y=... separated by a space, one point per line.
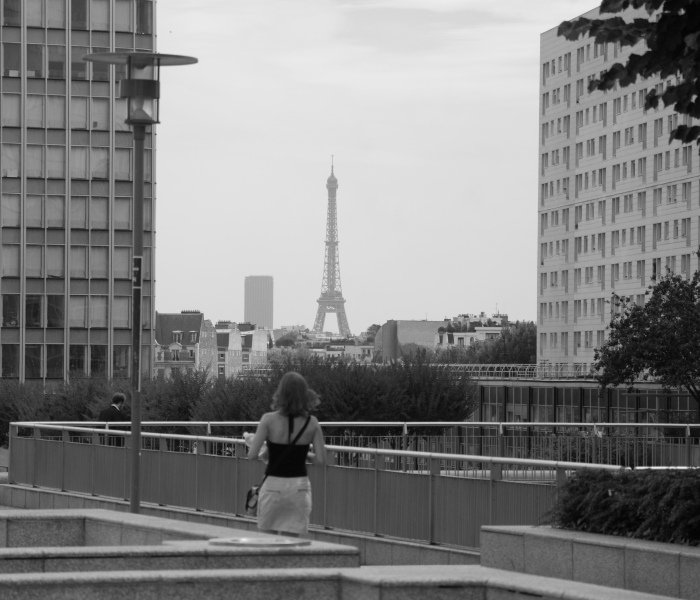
x=141 y=88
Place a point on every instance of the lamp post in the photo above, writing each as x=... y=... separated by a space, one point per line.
x=141 y=88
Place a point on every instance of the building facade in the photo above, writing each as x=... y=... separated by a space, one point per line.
x=66 y=210
x=618 y=203
x=185 y=342
x=258 y=300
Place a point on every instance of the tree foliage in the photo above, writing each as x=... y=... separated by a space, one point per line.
x=517 y=344
x=660 y=339
x=671 y=49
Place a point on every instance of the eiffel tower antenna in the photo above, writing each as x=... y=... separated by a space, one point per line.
x=331 y=299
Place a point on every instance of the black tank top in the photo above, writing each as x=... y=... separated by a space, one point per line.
x=287 y=460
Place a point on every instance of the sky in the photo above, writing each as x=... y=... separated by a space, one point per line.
x=430 y=109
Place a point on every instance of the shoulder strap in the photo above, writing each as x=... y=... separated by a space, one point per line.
x=303 y=429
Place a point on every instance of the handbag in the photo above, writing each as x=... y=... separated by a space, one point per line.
x=252 y=497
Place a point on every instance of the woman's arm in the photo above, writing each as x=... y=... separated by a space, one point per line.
x=319 y=453
x=259 y=439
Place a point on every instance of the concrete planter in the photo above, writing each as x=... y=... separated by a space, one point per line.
x=651 y=567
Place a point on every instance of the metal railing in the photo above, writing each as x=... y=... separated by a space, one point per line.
x=622 y=444
x=478 y=371
x=431 y=497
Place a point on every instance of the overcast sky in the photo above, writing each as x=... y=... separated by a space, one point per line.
x=431 y=110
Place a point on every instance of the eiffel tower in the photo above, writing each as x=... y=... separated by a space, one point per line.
x=331 y=300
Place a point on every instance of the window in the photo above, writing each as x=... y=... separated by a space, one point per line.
x=120 y=364
x=78 y=311
x=55 y=261
x=35 y=61
x=78 y=262
x=99 y=14
x=54 y=361
x=78 y=65
x=122 y=263
x=99 y=168
x=10 y=360
x=10 y=260
x=32 y=361
x=79 y=14
x=99 y=262
x=10 y=210
x=34 y=261
x=100 y=114
x=144 y=16
x=98 y=311
x=32 y=308
x=11 y=58
x=10 y=310
x=54 y=311
x=57 y=62
x=79 y=160
x=99 y=213
x=98 y=360
x=79 y=112
x=55 y=162
x=121 y=309
x=34 y=165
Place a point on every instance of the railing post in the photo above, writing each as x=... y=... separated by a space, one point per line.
x=688 y=448
x=501 y=440
x=495 y=474
x=14 y=432
x=376 y=492
x=129 y=447
x=162 y=447
x=200 y=450
x=65 y=437
x=36 y=436
x=433 y=471
x=95 y=444
x=330 y=461
x=404 y=446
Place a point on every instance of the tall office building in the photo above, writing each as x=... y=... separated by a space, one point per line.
x=258 y=300
x=67 y=190
x=618 y=203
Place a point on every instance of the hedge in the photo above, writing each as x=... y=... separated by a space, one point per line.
x=662 y=506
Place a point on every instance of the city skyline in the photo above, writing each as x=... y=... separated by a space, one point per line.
x=424 y=105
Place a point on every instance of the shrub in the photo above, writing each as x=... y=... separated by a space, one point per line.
x=663 y=506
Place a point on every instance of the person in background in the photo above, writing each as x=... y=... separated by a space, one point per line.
x=284 y=505
x=114 y=414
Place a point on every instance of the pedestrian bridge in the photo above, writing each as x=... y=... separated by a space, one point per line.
x=425 y=496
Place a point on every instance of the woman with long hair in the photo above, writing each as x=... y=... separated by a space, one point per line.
x=284 y=503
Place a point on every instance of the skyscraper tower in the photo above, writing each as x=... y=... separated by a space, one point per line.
x=331 y=300
x=257 y=306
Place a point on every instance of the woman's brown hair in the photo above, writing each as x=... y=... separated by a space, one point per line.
x=293 y=396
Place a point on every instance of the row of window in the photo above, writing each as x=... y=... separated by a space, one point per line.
x=85 y=162
x=581 y=339
x=50 y=112
x=129 y=15
x=630 y=270
x=48 y=360
x=49 y=261
x=624 y=204
x=83 y=311
x=50 y=212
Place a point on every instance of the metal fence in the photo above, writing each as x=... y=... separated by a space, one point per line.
x=476 y=371
x=438 y=498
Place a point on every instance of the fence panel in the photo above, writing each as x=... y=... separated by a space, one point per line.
x=349 y=499
x=217 y=488
x=178 y=479
x=21 y=460
x=461 y=507
x=48 y=463
x=110 y=471
x=521 y=503
x=77 y=468
x=403 y=507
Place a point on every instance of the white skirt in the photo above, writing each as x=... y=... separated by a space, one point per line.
x=284 y=504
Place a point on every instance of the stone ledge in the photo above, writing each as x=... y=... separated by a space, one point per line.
x=652 y=567
x=388 y=583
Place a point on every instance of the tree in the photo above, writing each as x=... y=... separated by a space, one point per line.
x=660 y=339
x=517 y=344
x=672 y=48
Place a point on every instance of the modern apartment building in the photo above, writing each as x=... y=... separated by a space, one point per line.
x=66 y=208
x=258 y=300
x=618 y=204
